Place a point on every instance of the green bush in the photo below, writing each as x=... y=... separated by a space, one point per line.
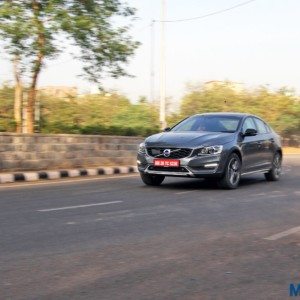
x=98 y=114
x=59 y=128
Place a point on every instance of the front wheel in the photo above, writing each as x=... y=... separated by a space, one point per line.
x=232 y=174
x=275 y=172
x=151 y=179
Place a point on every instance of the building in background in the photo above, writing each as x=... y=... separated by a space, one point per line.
x=59 y=91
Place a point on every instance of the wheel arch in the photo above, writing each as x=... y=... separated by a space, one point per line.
x=279 y=150
x=238 y=153
x=234 y=150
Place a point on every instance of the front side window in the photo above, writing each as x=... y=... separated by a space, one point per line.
x=268 y=128
x=248 y=124
x=261 y=127
x=209 y=123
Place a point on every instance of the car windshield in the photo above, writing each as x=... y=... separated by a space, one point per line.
x=209 y=123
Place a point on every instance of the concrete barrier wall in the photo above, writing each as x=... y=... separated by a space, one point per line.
x=45 y=152
x=291 y=141
x=41 y=152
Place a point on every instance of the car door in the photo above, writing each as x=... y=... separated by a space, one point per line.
x=250 y=147
x=265 y=143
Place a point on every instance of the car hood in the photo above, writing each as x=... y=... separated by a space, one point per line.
x=188 y=139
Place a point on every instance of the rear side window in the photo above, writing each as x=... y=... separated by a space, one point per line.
x=261 y=127
x=248 y=124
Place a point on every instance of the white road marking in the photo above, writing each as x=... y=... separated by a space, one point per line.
x=63 y=181
x=255 y=195
x=125 y=216
x=181 y=193
x=268 y=195
x=280 y=235
x=119 y=212
x=129 y=214
x=91 y=192
x=265 y=197
x=78 y=206
x=276 y=196
x=71 y=223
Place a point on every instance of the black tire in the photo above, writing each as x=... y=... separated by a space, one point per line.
x=275 y=172
x=232 y=174
x=153 y=180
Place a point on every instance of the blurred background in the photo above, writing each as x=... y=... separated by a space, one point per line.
x=184 y=57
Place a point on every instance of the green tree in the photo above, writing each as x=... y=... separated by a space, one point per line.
x=142 y=117
x=280 y=108
x=32 y=31
x=6 y=108
x=88 y=114
x=98 y=114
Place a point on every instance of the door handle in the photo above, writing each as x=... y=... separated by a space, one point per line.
x=272 y=140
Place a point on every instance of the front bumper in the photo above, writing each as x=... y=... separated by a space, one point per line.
x=192 y=166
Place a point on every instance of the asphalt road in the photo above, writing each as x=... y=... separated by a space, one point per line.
x=115 y=238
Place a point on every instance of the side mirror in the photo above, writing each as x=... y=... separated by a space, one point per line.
x=167 y=129
x=250 y=132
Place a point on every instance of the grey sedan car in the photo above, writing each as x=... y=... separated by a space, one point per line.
x=220 y=146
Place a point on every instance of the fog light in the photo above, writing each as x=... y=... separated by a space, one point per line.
x=210 y=165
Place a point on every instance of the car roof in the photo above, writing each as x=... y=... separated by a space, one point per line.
x=228 y=114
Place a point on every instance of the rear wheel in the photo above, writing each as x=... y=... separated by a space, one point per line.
x=151 y=179
x=232 y=174
x=275 y=172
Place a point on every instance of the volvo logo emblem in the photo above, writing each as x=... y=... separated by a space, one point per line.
x=167 y=152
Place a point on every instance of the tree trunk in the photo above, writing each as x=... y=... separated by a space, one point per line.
x=30 y=109
x=18 y=96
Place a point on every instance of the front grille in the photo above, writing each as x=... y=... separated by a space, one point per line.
x=168 y=169
x=175 y=152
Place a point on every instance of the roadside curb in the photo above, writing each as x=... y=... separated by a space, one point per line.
x=57 y=174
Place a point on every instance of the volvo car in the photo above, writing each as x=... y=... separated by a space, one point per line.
x=216 y=146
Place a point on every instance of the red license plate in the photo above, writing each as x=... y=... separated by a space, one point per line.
x=166 y=162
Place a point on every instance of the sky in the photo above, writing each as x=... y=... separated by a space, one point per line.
x=255 y=44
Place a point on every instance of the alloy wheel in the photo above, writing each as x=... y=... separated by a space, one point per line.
x=234 y=171
x=277 y=165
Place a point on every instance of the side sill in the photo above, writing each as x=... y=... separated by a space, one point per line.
x=257 y=171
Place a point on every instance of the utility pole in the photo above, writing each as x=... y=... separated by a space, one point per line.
x=152 y=54
x=162 y=114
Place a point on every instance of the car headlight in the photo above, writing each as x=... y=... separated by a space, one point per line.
x=142 y=148
x=211 y=150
